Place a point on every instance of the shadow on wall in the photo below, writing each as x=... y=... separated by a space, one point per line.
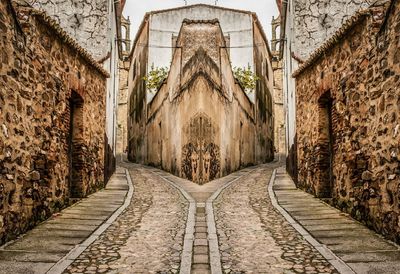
x=109 y=161
x=291 y=161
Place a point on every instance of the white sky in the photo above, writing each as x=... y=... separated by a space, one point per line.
x=265 y=9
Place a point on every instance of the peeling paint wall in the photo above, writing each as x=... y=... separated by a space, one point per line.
x=85 y=20
x=317 y=20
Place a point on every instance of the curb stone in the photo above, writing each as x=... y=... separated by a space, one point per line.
x=187 y=250
x=68 y=259
x=334 y=260
x=215 y=256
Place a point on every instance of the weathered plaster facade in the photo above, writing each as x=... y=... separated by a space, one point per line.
x=200 y=124
x=52 y=118
x=122 y=111
x=279 y=115
x=86 y=21
x=305 y=25
x=164 y=27
x=348 y=124
x=316 y=21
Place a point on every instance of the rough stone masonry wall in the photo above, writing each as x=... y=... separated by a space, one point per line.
x=39 y=69
x=86 y=21
x=317 y=20
x=361 y=74
x=122 y=111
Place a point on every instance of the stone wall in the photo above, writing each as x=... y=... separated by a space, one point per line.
x=46 y=157
x=86 y=21
x=348 y=124
x=305 y=26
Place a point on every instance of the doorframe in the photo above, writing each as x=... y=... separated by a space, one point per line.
x=326 y=142
x=75 y=142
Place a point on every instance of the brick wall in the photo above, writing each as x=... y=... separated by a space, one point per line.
x=45 y=156
x=348 y=124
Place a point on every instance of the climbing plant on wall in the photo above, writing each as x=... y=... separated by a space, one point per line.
x=246 y=77
x=155 y=77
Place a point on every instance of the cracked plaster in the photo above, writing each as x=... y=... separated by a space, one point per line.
x=317 y=20
x=85 y=20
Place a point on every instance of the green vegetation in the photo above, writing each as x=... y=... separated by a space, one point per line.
x=155 y=77
x=246 y=78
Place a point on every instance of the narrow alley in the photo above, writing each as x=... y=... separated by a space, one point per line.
x=163 y=225
x=200 y=137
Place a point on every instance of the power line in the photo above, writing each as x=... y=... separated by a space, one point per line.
x=172 y=47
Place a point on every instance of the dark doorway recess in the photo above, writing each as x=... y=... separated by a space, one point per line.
x=75 y=144
x=326 y=142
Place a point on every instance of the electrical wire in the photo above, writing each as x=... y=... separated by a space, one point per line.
x=172 y=47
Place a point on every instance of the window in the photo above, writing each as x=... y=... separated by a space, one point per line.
x=133 y=70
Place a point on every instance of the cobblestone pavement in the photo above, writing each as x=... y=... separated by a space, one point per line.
x=255 y=238
x=146 y=238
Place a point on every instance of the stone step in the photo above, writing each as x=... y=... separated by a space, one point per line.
x=200 y=219
x=201 y=271
x=200 y=235
x=200 y=242
x=200 y=229
x=200 y=209
x=201 y=224
x=197 y=250
x=196 y=267
x=200 y=259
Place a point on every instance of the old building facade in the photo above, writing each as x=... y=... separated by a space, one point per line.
x=96 y=26
x=279 y=115
x=200 y=124
x=348 y=124
x=122 y=111
x=52 y=118
x=305 y=25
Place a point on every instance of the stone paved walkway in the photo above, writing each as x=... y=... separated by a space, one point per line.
x=41 y=248
x=148 y=235
x=255 y=238
x=202 y=242
x=358 y=247
x=230 y=225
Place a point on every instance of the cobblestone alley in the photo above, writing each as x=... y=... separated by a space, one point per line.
x=166 y=224
x=200 y=137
